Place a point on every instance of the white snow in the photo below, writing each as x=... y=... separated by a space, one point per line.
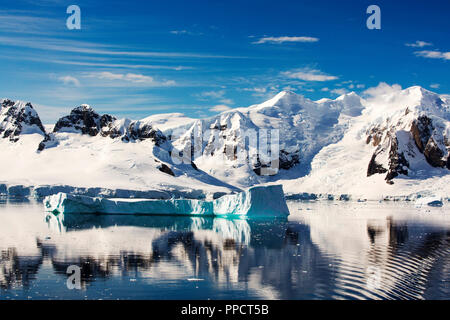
x=166 y=121
x=96 y=162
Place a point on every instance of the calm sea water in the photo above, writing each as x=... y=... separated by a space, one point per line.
x=325 y=250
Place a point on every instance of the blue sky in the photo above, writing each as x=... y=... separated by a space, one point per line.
x=137 y=58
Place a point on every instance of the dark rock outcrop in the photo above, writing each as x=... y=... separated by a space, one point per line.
x=375 y=167
x=286 y=161
x=423 y=137
x=138 y=131
x=422 y=130
x=397 y=163
x=18 y=118
x=165 y=168
x=85 y=120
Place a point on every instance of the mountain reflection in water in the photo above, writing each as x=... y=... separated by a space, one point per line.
x=319 y=254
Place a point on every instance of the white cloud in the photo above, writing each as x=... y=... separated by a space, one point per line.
x=309 y=75
x=256 y=90
x=130 y=77
x=220 y=108
x=433 y=54
x=382 y=89
x=285 y=39
x=325 y=89
x=15 y=22
x=179 y=32
x=227 y=101
x=339 y=92
x=435 y=85
x=418 y=44
x=215 y=95
x=186 y=32
x=67 y=80
x=111 y=65
x=212 y=94
x=360 y=86
x=60 y=45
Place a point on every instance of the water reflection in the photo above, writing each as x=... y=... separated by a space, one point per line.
x=324 y=254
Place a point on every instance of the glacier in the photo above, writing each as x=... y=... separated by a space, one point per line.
x=260 y=201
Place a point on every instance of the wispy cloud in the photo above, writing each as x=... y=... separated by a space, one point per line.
x=418 y=44
x=186 y=32
x=257 y=90
x=339 y=92
x=285 y=39
x=433 y=54
x=61 y=45
x=435 y=85
x=220 y=108
x=382 y=89
x=212 y=94
x=134 y=78
x=309 y=75
x=18 y=22
x=218 y=95
x=67 y=80
x=120 y=65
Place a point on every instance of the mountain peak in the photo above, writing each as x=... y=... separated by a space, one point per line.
x=17 y=118
x=284 y=97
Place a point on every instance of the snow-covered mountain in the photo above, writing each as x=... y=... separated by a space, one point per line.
x=349 y=145
x=300 y=128
x=402 y=138
x=414 y=133
x=18 y=118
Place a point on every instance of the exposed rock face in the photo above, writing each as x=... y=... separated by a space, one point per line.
x=286 y=161
x=422 y=137
x=141 y=131
x=86 y=121
x=431 y=142
x=396 y=162
x=375 y=167
x=421 y=130
x=18 y=118
x=48 y=141
x=165 y=168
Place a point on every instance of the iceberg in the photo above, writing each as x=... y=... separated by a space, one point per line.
x=261 y=201
x=429 y=201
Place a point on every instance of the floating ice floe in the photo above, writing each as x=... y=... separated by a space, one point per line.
x=429 y=201
x=259 y=201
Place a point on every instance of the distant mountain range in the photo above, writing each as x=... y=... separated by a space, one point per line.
x=395 y=144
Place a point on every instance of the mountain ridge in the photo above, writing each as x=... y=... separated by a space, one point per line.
x=398 y=135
